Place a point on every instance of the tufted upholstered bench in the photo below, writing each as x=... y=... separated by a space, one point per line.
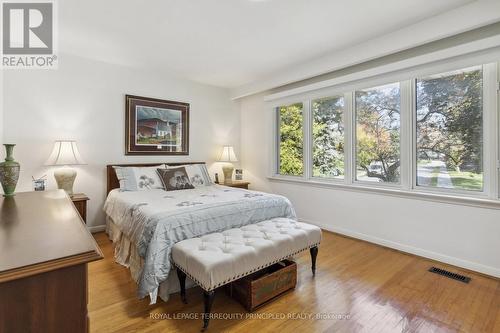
x=216 y=259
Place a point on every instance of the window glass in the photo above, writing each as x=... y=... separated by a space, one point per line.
x=450 y=130
x=291 y=139
x=378 y=134
x=328 y=137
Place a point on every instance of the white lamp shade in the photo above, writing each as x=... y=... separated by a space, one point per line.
x=65 y=153
x=228 y=155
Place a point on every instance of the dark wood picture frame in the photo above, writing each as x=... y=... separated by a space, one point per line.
x=132 y=147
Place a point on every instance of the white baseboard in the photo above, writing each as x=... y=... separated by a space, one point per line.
x=96 y=228
x=488 y=270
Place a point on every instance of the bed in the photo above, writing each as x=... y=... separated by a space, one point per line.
x=144 y=225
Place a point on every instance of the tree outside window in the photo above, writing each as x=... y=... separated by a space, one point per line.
x=328 y=137
x=291 y=139
x=378 y=134
x=450 y=130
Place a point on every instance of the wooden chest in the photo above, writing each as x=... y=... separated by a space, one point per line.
x=256 y=289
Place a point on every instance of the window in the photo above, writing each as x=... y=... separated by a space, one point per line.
x=291 y=138
x=435 y=133
x=328 y=137
x=378 y=134
x=450 y=130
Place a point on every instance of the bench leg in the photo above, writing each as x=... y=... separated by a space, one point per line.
x=182 y=281
x=208 y=299
x=314 y=254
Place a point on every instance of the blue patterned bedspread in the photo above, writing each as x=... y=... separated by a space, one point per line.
x=155 y=220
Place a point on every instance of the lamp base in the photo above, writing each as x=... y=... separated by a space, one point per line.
x=65 y=178
x=228 y=174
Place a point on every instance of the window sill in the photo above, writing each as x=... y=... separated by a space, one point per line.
x=453 y=199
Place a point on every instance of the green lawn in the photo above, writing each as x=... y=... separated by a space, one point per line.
x=461 y=180
x=466 y=180
x=434 y=179
x=424 y=162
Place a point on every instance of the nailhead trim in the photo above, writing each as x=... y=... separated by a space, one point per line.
x=240 y=275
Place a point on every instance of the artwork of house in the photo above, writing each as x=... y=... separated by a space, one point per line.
x=153 y=128
x=157 y=126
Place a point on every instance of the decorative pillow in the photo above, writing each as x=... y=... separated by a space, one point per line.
x=174 y=179
x=138 y=178
x=197 y=173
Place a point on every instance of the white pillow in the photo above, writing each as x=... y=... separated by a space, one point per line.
x=197 y=173
x=139 y=178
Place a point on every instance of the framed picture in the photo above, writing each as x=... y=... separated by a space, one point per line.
x=239 y=174
x=156 y=127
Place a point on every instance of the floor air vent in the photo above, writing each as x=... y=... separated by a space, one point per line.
x=450 y=275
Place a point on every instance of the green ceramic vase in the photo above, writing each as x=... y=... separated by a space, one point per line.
x=9 y=172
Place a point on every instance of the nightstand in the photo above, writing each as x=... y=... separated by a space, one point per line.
x=80 y=202
x=237 y=183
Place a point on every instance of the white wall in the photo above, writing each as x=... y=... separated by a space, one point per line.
x=460 y=235
x=85 y=100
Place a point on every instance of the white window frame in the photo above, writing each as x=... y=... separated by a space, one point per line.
x=489 y=138
x=276 y=144
x=354 y=143
x=407 y=185
x=311 y=120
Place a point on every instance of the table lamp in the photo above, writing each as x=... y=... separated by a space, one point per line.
x=65 y=153
x=228 y=156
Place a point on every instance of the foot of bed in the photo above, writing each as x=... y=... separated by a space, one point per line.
x=208 y=299
x=182 y=281
x=314 y=254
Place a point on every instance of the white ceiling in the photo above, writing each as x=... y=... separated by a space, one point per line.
x=229 y=43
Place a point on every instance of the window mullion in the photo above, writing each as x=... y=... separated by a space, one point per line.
x=413 y=133
x=349 y=142
x=497 y=129
x=490 y=130
x=406 y=141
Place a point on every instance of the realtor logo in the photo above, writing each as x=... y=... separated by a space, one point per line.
x=28 y=34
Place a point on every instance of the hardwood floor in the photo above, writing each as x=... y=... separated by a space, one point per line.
x=378 y=289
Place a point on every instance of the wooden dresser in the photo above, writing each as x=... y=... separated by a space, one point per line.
x=44 y=251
